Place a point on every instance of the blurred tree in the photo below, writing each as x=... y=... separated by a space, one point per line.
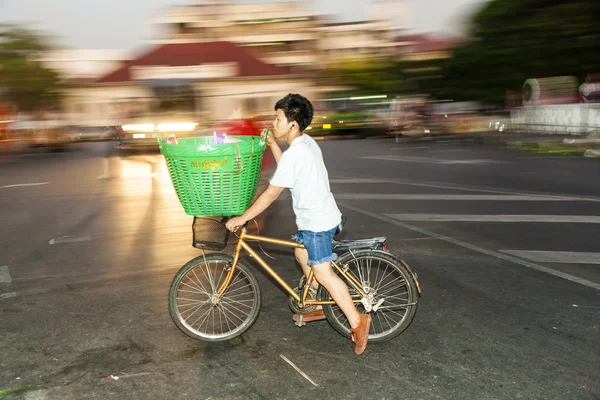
x=24 y=81
x=366 y=76
x=513 y=40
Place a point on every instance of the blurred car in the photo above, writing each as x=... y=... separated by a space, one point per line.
x=409 y=116
x=94 y=133
x=31 y=134
x=141 y=133
x=457 y=118
x=359 y=115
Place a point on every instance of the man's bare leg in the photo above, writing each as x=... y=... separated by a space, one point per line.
x=302 y=258
x=336 y=288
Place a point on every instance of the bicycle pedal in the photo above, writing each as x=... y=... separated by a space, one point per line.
x=300 y=323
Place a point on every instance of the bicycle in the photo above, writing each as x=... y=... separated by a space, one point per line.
x=216 y=297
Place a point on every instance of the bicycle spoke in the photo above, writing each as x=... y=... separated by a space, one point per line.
x=399 y=296
x=238 y=295
x=383 y=279
x=227 y=310
x=207 y=273
x=228 y=291
x=197 y=289
x=376 y=284
x=378 y=316
x=387 y=319
x=234 y=305
x=198 y=280
x=343 y=318
x=400 y=284
x=190 y=311
x=239 y=302
x=192 y=302
x=392 y=312
x=221 y=322
x=207 y=314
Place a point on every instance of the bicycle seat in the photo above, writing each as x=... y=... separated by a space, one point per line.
x=340 y=227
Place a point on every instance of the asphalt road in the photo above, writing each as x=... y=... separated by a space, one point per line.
x=505 y=245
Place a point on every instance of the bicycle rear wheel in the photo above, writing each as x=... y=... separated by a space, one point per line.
x=193 y=293
x=391 y=283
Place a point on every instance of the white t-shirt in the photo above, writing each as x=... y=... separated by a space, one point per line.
x=302 y=170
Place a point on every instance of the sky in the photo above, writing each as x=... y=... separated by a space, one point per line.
x=125 y=24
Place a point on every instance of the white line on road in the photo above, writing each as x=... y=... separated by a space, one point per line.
x=105 y=174
x=477 y=197
x=566 y=257
x=478 y=249
x=579 y=219
x=356 y=180
x=462 y=188
x=4 y=275
x=9 y=295
x=70 y=239
x=24 y=184
x=426 y=160
x=447 y=151
x=410 y=148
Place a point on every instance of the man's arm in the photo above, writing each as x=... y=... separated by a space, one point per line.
x=260 y=205
x=275 y=149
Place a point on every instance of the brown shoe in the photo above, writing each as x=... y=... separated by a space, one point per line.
x=360 y=334
x=313 y=316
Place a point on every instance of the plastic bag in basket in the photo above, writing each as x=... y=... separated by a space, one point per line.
x=221 y=138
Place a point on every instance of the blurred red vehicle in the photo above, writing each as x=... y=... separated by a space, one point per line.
x=247 y=127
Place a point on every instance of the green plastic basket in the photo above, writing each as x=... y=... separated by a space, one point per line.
x=214 y=179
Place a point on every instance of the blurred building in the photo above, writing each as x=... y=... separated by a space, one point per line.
x=285 y=33
x=355 y=39
x=212 y=58
x=279 y=33
x=423 y=54
x=84 y=64
x=205 y=79
x=423 y=47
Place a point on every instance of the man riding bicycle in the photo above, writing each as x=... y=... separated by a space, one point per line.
x=302 y=170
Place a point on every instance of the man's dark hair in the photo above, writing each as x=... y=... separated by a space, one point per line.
x=296 y=108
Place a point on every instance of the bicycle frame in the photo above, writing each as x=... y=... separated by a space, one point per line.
x=301 y=299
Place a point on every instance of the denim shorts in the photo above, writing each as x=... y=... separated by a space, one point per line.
x=318 y=245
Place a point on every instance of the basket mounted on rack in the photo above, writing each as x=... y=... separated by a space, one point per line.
x=214 y=179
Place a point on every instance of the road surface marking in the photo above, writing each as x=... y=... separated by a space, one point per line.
x=464 y=197
x=356 y=180
x=565 y=257
x=24 y=184
x=478 y=249
x=447 y=151
x=410 y=148
x=298 y=369
x=426 y=160
x=8 y=295
x=70 y=239
x=463 y=188
x=4 y=275
x=105 y=174
x=574 y=219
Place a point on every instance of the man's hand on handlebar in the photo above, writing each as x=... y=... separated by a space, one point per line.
x=233 y=224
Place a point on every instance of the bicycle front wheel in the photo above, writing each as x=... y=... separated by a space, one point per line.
x=192 y=299
x=392 y=286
